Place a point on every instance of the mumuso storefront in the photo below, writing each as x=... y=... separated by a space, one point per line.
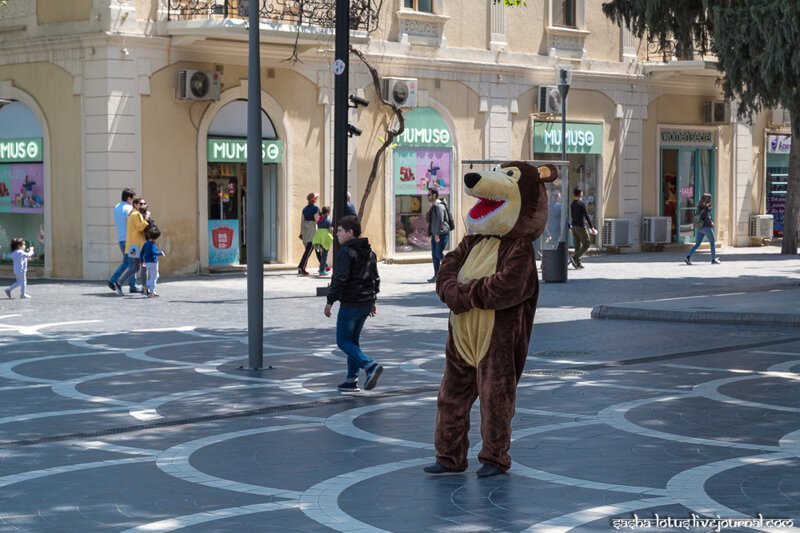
x=686 y=167
x=22 y=197
x=227 y=187
x=778 y=148
x=422 y=160
x=584 y=143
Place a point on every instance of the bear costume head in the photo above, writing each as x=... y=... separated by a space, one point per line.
x=512 y=200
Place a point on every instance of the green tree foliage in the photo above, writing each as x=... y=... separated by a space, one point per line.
x=756 y=43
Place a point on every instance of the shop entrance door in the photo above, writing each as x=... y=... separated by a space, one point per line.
x=269 y=175
x=686 y=175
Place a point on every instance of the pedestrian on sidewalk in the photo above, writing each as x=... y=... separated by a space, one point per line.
x=355 y=285
x=150 y=254
x=706 y=230
x=323 y=239
x=580 y=232
x=308 y=227
x=121 y=212
x=350 y=208
x=134 y=242
x=20 y=256
x=438 y=228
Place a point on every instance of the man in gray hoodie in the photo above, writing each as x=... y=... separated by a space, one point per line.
x=438 y=229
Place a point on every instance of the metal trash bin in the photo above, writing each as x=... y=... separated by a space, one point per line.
x=554 y=264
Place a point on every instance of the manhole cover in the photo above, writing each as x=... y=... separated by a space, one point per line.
x=565 y=353
x=755 y=334
x=555 y=372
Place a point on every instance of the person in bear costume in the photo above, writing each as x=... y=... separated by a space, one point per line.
x=491 y=285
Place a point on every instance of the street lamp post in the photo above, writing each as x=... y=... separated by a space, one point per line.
x=563 y=90
x=255 y=212
x=554 y=261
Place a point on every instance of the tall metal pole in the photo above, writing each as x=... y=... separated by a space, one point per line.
x=255 y=188
x=563 y=90
x=341 y=69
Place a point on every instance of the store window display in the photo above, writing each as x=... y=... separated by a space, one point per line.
x=422 y=161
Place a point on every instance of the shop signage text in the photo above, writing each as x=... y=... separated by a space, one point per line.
x=424 y=127
x=673 y=137
x=20 y=150
x=779 y=144
x=235 y=151
x=580 y=138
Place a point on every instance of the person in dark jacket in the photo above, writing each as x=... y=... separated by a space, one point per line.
x=438 y=229
x=355 y=285
x=580 y=233
x=706 y=230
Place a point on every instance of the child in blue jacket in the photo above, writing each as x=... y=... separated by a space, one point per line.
x=149 y=257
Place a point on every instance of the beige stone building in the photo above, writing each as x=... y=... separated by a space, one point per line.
x=150 y=94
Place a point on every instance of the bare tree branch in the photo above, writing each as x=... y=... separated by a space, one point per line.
x=390 y=132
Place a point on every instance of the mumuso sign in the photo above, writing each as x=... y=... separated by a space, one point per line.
x=235 y=151
x=580 y=138
x=20 y=150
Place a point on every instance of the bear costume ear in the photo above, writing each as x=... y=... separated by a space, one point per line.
x=548 y=173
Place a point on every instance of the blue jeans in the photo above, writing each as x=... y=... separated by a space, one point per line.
x=709 y=234
x=349 y=323
x=126 y=262
x=437 y=250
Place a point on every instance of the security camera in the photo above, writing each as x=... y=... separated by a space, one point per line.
x=357 y=101
x=354 y=130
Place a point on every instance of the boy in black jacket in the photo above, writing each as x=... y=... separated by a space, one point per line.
x=355 y=284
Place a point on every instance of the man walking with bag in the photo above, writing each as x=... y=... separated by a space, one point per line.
x=440 y=224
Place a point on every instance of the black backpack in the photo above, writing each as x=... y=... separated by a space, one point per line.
x=447 y=216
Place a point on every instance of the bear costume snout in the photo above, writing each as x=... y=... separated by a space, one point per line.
x=471 y=179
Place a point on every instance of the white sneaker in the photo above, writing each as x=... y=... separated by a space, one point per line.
x=24 y=296
x=8 y=293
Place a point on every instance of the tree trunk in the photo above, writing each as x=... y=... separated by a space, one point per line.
x=390 y=133
x=790 y=217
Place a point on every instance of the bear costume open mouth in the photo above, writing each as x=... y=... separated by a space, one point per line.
x=485 y=207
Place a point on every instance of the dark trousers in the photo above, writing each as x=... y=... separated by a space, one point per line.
x=306 y=255
x=437 y=250
x=580 y=236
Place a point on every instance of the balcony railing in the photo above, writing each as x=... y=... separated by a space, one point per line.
x=363 y=13
x=673 y=50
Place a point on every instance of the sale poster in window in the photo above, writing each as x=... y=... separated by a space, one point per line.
x=223 y=242
x=22 y=188
x=405 y=172
x=433 y=171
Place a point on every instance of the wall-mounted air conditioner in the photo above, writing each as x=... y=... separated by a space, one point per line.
x=656 y=230
x=780 y=117
x=716 y=112
x=198 y=85
x=761 y=226
x=402 y=92
x=549 y=100
x=616 y=232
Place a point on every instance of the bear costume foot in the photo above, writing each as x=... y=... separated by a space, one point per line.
x=438 y=468
x=488 y=471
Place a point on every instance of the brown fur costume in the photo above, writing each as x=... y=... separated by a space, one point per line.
x=491 y=286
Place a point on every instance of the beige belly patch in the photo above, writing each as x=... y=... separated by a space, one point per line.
x=472 y=331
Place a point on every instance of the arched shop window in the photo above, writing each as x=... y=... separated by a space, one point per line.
x=22 y=197
x=422 y=160
x=227 y=185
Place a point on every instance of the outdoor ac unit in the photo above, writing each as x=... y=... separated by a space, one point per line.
x=549 y=100
x=656 y=230
x=616 y=232
x=401 y=92
x=761 y=226
x=780 y=116
x=716 y=112
x=198 y=85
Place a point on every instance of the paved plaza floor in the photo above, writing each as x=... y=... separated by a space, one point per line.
x=129 y=414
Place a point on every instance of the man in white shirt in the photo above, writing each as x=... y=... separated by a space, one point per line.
x=121 y=212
